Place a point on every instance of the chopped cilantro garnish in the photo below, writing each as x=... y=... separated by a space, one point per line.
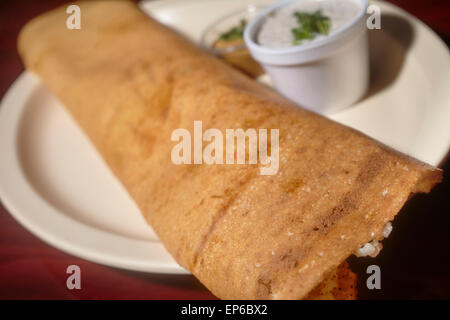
x=234 y=33
x=310 y=25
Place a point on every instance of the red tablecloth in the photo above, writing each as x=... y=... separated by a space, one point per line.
x=416 y=261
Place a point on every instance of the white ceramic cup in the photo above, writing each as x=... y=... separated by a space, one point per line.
x=324 y=76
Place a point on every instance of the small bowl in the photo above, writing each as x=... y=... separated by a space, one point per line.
x=326 y=75
x=235 y=52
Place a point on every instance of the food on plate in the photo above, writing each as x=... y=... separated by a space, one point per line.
x=129 y=82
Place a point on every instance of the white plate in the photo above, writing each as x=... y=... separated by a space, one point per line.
x=55 y=184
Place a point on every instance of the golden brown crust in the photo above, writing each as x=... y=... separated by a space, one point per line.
x=129 y=82
x=339 y=285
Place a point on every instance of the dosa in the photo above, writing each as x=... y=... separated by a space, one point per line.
x=129 y=82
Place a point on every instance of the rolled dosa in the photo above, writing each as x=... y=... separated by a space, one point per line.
x=129 y=82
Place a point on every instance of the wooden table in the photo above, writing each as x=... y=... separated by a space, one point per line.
x=415 y=262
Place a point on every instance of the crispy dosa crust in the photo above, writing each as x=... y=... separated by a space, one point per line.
x=339 y=285
x=129 y=82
